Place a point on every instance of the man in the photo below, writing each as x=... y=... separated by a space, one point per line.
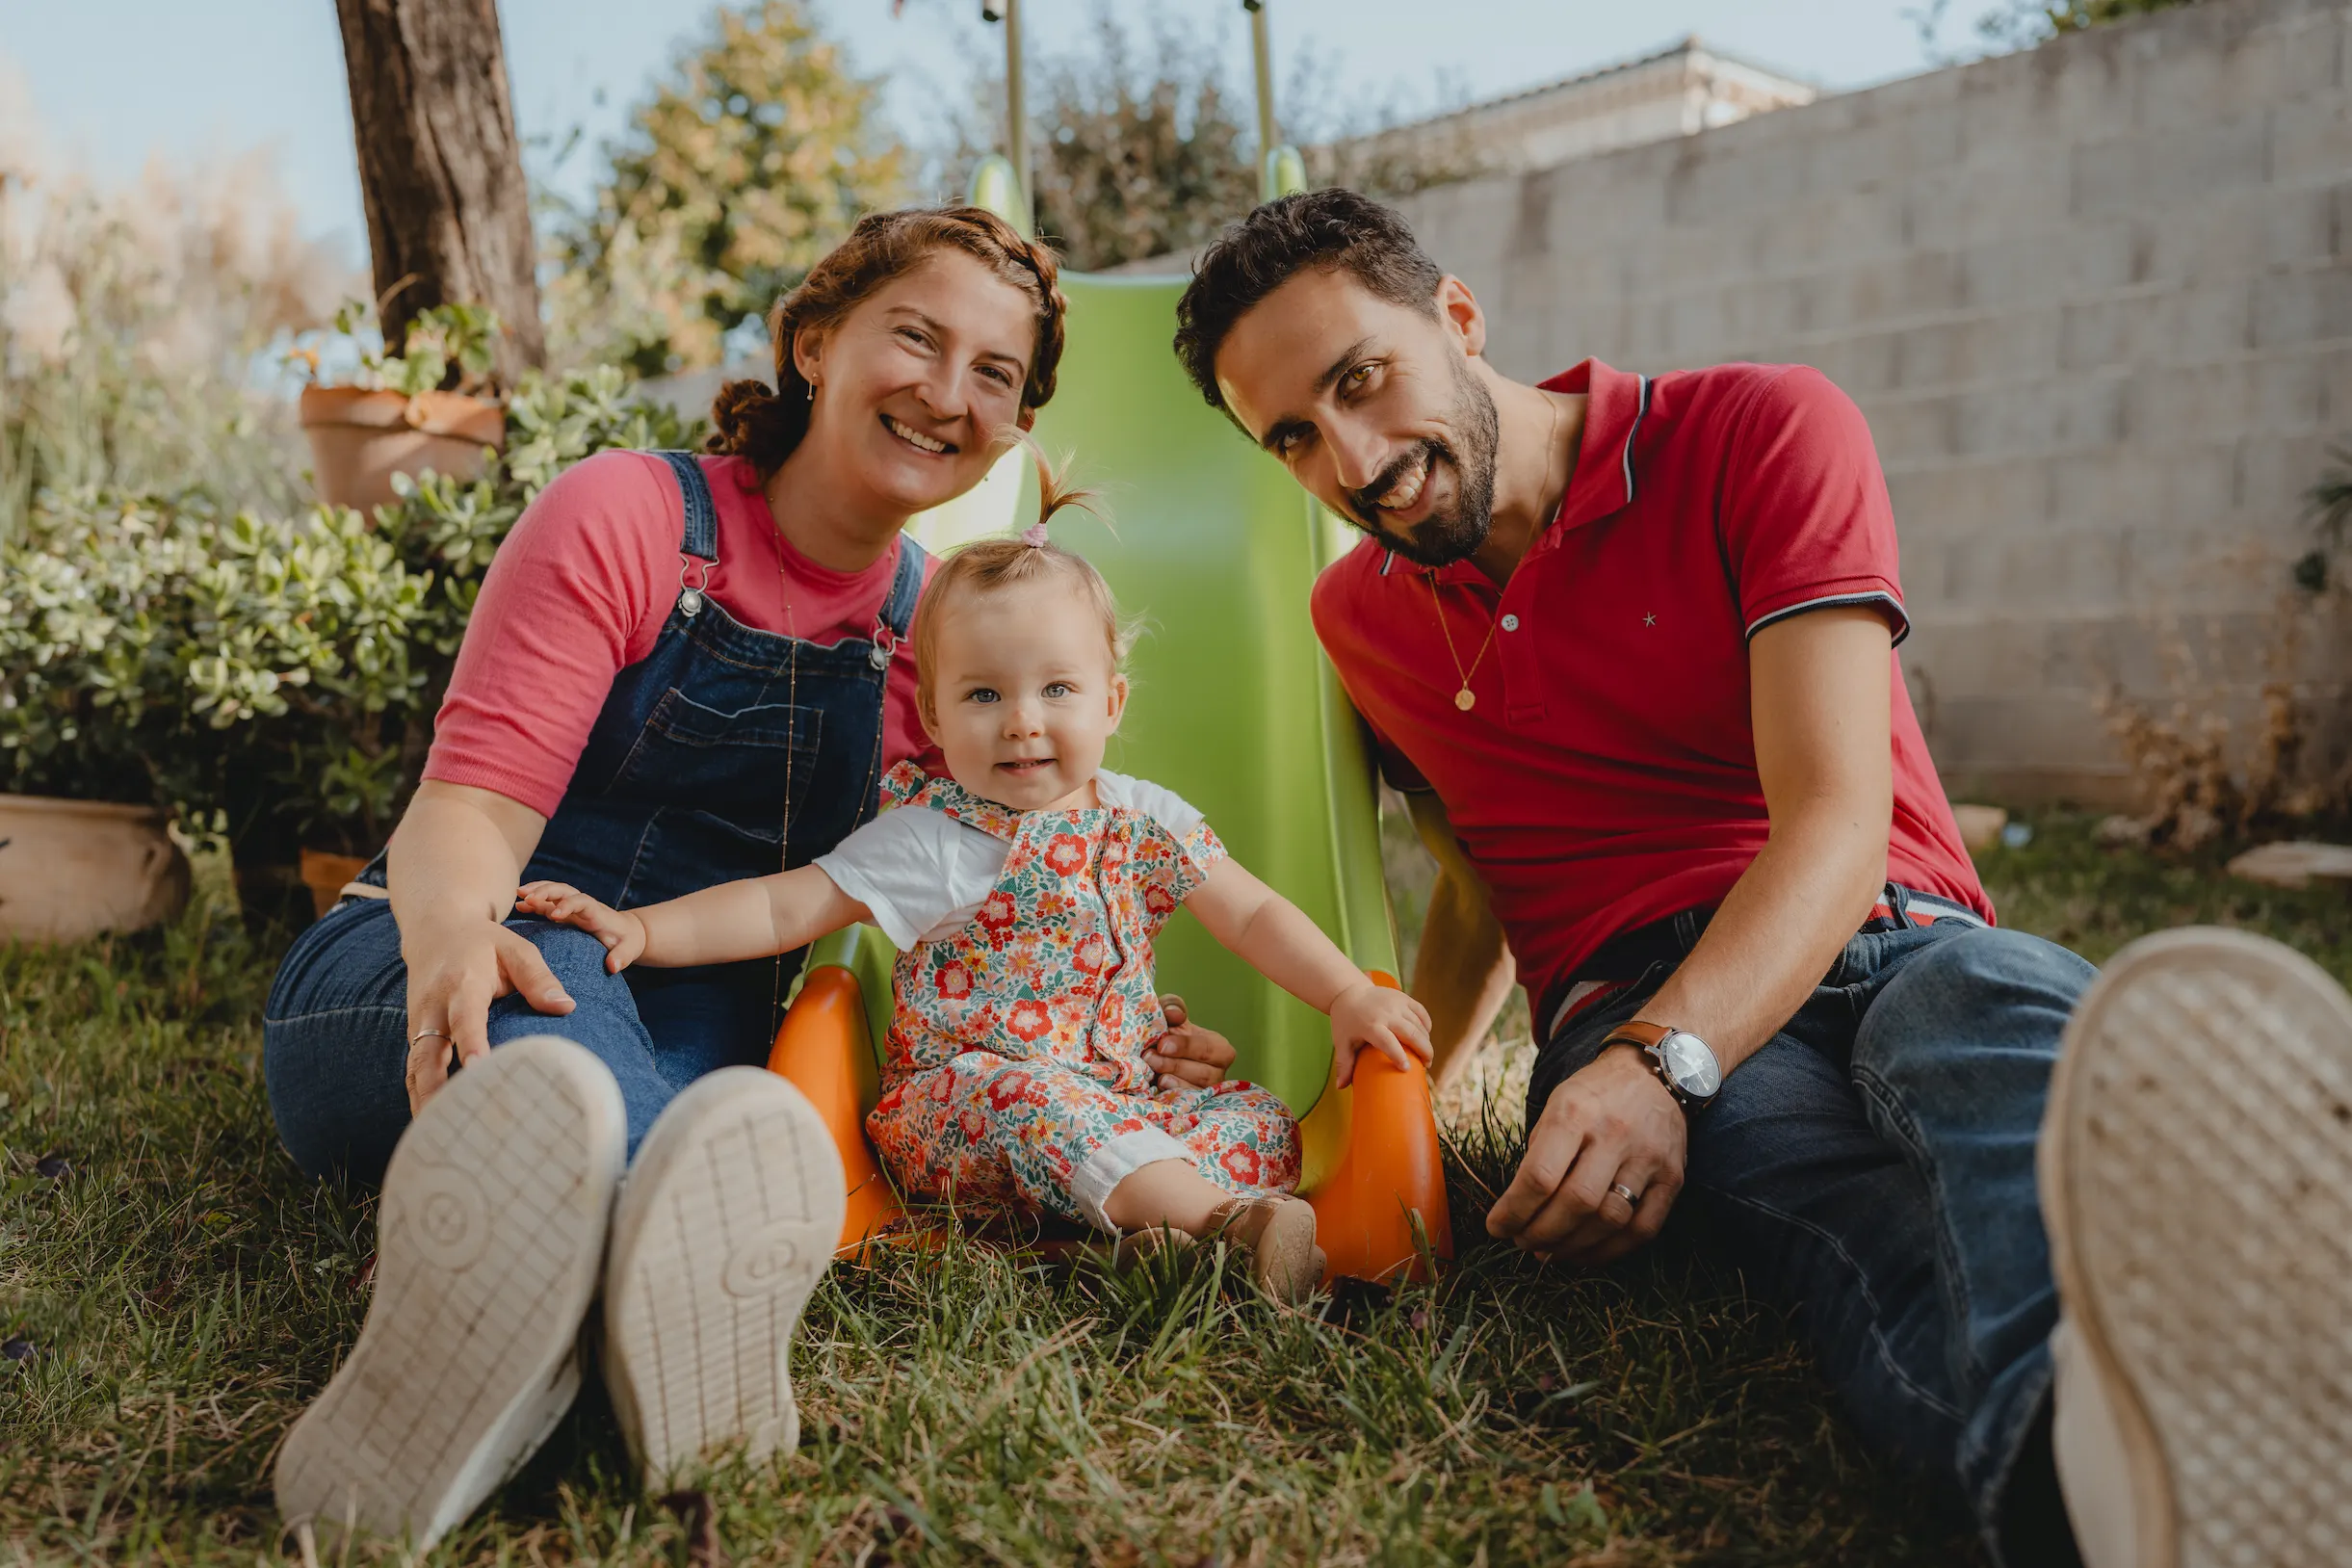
x=1624 y=643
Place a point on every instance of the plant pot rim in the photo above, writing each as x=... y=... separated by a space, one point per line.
x=457 y=414
x=58 y=806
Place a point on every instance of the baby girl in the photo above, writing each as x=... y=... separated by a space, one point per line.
x=1023 y=892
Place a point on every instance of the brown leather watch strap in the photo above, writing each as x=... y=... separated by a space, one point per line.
x=1633 y=1031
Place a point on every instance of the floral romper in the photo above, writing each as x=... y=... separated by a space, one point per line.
x=1015 y=1077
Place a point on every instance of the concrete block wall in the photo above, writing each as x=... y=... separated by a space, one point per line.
x=2096 y=301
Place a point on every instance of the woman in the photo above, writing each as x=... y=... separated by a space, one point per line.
x=681 y=671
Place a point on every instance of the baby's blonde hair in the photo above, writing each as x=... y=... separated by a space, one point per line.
x=990 y=565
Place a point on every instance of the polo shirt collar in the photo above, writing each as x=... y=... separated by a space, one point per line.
x=1604 y=480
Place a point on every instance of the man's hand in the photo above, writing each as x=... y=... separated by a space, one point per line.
x=1187 y=1055
x=1612 y=1125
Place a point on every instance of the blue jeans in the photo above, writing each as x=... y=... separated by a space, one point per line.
x=1871 y=1171
x=335 y=1045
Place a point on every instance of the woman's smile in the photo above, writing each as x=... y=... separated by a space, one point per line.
x=913 y=437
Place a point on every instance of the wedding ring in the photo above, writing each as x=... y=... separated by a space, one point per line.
x=429 y=1034
x=1626 y=1193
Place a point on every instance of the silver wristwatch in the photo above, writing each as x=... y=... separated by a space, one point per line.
x=1681 y=1060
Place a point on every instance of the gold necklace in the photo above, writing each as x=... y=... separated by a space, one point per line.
x=1466 y=699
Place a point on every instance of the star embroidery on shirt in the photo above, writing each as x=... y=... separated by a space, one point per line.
x=1650 y=619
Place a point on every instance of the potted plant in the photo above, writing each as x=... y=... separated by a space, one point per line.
x=86 y=843
x=158 y=657
x=274 y=677
x=426 y=408
x=71 y=869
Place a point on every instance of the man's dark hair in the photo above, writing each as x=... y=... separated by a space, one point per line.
x=1335 y=230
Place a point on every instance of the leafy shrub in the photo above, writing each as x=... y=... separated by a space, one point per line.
x=276 y=674
x=453 y=345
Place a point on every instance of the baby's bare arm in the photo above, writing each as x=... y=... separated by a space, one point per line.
x=1274 y=936
x=756 y=918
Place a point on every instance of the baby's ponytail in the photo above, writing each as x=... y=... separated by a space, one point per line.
x=1056 y=490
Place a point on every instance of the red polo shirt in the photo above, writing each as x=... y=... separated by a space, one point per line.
x=1606 y=776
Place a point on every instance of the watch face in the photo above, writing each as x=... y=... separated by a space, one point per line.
x=1691 y=1064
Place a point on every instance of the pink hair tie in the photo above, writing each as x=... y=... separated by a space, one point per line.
x=1034 y=535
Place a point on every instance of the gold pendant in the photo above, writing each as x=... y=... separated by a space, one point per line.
x=1463 y=700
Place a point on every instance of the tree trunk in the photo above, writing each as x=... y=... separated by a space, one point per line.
x=449 y=215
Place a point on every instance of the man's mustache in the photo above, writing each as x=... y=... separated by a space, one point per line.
x=1365 y=503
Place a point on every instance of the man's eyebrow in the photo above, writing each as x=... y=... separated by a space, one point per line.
x=1281 y=430
x=1339 y=367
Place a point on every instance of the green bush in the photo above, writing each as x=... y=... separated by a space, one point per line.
x=275 y=676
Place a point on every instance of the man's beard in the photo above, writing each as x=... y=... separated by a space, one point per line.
x=1444 y=538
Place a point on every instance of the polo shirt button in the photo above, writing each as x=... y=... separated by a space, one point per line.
x=1510 y=623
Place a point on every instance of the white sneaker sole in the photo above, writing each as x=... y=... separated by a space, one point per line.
x=488 y=1240
x=726 y=1224
x=2196 y=1178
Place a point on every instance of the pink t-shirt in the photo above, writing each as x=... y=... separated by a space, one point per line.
x=580 y=590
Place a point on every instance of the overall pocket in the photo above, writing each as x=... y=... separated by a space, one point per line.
x=733 y=765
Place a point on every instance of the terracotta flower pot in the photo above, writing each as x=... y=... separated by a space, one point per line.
x=71 y=869
x=359 y=440
x=325 y=873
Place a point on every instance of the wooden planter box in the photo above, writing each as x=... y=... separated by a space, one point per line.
x=71 y=869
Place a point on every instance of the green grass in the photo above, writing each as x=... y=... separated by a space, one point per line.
x=2065 y=886
x=183 y=1291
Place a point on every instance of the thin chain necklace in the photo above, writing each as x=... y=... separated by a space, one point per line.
x=792 y=704
x=792 y=687
x=792 y=722
x=1465 y=698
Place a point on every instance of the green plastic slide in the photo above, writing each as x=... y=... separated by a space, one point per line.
x=1208 y=542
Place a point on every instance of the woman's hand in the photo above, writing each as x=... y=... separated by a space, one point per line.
x=455 y=970
x=1188 y=1055
x=622 y=933
x=1387 y=1020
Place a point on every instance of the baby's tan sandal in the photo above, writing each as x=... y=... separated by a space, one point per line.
x=1136 y=1247
x=1279 y=1236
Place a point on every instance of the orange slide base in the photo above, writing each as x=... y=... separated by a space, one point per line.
x=1380 y=1214
x=822 y=1051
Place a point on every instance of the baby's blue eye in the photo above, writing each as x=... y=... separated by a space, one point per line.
x=981 y=694
x=1057 y=688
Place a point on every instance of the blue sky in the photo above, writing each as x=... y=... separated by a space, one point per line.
x=113 y=81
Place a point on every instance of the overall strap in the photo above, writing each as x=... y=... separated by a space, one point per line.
x=699 y=543
x=899 y=610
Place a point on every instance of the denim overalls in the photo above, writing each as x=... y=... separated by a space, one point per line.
x=702 y=748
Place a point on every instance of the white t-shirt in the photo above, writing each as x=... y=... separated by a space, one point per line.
x=924 y=875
